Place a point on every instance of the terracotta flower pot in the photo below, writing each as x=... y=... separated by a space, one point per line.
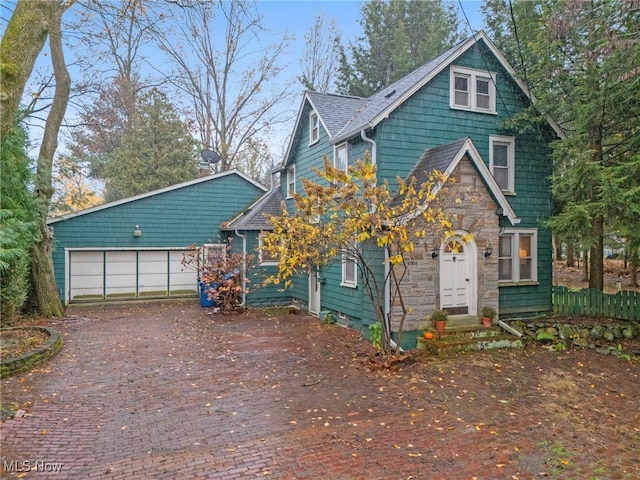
x=486 y=322
x=440 y=324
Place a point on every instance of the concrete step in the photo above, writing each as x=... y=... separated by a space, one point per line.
x=468 y=338
x=463 y=321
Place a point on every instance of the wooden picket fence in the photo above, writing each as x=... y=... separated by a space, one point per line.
x=624 y=305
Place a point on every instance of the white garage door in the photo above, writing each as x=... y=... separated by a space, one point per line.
x=122 y=274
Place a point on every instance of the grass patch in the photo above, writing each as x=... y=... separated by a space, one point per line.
x=557 y=456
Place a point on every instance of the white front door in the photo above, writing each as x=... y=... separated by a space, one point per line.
x=457 y=277
x=314 y=291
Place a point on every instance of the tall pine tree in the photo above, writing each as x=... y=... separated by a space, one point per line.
x=399 y=36
x=156 y=152
x=581 y=59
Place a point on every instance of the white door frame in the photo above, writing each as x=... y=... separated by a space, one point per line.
x=314 y=291
x=470 y=275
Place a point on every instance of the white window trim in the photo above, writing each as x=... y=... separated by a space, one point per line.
x=214 y=251
x=335 y=154
x=344 y=282
x=291 y=173
x=261 y=236
x=473 y=75
x=314 y=127
x=515 y=233
x=511 y=167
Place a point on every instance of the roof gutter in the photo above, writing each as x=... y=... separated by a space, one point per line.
x=374 y=149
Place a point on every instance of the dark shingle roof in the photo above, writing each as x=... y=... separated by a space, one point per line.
x=437 y=158
x=381 y=101
x=254 y=217
x=335 y=110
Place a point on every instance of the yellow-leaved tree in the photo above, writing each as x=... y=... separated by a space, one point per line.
x=351 y=215
x=72 y=189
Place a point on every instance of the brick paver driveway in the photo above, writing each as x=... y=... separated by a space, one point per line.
x=167 y=390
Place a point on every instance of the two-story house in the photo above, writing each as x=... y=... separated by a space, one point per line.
x=453 y=114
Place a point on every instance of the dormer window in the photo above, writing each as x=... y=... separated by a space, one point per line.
x=473 y=90
x=314 y=128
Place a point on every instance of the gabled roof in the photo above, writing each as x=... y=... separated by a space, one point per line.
x=177 y=186
x=344 y=116
x=253 y=218
x=335 y=111
x=445 y=158
x=380 y=105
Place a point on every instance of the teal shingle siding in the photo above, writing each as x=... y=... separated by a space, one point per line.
x=260 y=293
x=185 y=216
x=426 y=120
x=423 y=121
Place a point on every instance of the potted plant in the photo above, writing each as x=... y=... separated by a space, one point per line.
x=488 y=314
x=440 y=318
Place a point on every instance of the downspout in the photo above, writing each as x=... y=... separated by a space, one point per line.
x=374 y=149
x=244 y=267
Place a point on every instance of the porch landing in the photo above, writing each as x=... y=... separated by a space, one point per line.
x=466 y=334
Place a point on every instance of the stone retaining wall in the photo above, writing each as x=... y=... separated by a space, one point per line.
x=598 y=337
x=29 y=360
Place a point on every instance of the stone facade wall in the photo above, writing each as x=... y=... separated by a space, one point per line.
x=475 y=214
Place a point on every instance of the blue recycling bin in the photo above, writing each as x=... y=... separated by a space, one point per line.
x=205 y=299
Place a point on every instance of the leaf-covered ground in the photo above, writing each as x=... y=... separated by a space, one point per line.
x=614 y=271
x=169 y=390
x=16 y=341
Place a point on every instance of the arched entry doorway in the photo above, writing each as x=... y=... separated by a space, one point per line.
x=458 y=278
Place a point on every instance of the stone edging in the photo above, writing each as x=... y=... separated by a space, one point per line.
x=597 y=337
x=33 y=358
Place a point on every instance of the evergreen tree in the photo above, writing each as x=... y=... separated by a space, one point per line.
x=581 y=60
x=156 y=152
x=399 y=36
x=17 y=221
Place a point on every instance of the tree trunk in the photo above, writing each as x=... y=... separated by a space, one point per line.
x=43 y=281
x=571 y=262
x=44 y=284
x=23 y=39
x=596 y=260
x=557 y=247
x=633 y=261
x=585 y=265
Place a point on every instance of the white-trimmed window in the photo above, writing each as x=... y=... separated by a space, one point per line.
x=291 y=180
x=502 y=161
x=341 y=157
x=349 y=271
x=314 y=128
x=518 y=255
x=472 y=90
x=214 y=255
x=265 y=257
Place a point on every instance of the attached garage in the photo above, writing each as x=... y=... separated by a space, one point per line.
x=111 y=274
x=132 y=248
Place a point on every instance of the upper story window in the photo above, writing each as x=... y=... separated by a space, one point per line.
x=518 y=256
x=472 y=90
x=502 y=152
x=291 y=180
x=340 y=157
x=314 y=128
